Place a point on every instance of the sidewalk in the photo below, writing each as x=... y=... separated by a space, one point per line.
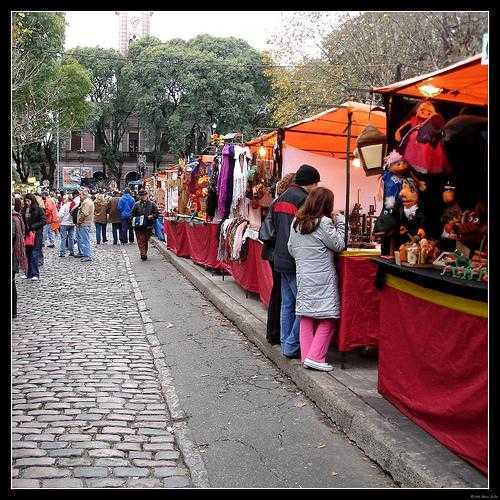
x=348 y=397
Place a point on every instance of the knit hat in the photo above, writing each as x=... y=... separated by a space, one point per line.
x=393 y=157
x=306 y=175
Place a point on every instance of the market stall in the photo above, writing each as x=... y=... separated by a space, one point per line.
x=228 y=237
x=433 y=305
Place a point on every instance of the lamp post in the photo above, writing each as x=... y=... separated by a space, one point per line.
x=81 y=159
x=371 y=148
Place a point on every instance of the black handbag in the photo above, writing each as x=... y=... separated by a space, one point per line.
x=267 y=231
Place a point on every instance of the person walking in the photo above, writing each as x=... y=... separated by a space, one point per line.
x=266 y=235
x=67 y=228
x=19 y=259
x=283 y=212
x=101 y=217
x=144 y=214
x=125 y=206
x=52 y=219
x=315 y=235
x=74 y=207
x=114 y=216
x=34 y=220
x=84 y=224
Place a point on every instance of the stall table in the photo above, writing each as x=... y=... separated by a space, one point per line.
x=433 y=362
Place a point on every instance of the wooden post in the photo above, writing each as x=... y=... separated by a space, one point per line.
x=347 y=176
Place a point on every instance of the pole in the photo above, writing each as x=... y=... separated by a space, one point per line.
x=58 y=168
x=347 y=177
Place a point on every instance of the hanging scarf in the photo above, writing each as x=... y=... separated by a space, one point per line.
x=19 y=248
x=225 y=182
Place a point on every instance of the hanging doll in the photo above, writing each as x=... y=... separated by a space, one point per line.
x=422 y=111
x=411 y=217
x=422 y=145
x=452 y=215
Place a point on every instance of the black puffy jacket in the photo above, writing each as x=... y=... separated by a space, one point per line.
x=284 y=210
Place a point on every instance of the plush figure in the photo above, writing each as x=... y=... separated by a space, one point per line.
x=423 y=111
x=452 y=213
x=411 y=217
x=391 y=181
x=473 y=228
x=423 y=149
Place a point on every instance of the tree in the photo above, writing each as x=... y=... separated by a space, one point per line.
x=359 y=51
x=45 y=90
x=113 y=99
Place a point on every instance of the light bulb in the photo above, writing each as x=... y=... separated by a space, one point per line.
x=356 y=162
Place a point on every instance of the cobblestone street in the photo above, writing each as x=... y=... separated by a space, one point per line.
x=88 y=405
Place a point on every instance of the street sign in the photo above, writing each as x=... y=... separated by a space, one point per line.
x=484 y=58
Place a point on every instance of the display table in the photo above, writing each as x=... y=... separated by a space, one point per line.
x=359 y=322
x=433 y=362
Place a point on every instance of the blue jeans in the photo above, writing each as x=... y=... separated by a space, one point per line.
x=117 y=229
x=48 y=234
x=33 y=255
x=100 y=229
x=127 y=232
x=84 y=237
x=290 y=323
x=67 y=239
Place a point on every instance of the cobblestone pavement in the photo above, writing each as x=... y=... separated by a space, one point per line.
x=88 y=409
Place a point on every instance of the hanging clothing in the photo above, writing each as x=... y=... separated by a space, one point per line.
x=223 y=185
x=212 y=189
x=242 y=155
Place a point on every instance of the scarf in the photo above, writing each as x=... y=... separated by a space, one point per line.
x=19 y=248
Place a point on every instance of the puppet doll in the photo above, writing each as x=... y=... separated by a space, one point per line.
x=452 y=215
x=411 y=217
x=423 y=111
x=422 y=147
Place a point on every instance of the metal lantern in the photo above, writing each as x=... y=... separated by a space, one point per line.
x=371 y=149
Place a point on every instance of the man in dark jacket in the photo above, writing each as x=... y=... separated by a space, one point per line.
x=114 y=216
x=284 y=210
x=144 y=212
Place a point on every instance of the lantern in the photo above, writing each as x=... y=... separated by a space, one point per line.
x=371 y=149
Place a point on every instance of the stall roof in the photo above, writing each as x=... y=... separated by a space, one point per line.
x=326 y=133
x=463 y=82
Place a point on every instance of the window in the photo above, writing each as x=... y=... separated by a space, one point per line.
x=133 y=142
x=76 y=141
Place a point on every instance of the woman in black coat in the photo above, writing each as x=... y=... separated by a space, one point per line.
x=34 y=220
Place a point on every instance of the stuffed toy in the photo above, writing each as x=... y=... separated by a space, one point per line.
x=422 y=147
x=411 y=217
x=391 y=181
x=473 y=228
x=452 y=213
x=422 y=111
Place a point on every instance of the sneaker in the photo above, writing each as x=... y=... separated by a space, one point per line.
x=324 y=367
x=78 y=256
x=35 y=278
x=292 y=356
x=50 y=246
x=86 y=259
x=60 y=255
x=24 y=277
x=144 y=257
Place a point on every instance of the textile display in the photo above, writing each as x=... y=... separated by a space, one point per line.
x=433 y=367
x=232 y=239
x=241 y=157
x=225 y=182
x=360 y=301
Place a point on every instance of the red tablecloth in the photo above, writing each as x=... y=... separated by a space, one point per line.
x=433 y=365
x=360 y=302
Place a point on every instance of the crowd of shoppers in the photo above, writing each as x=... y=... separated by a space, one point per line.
x=67 y=219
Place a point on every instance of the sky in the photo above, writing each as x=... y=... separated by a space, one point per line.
x=87 y=28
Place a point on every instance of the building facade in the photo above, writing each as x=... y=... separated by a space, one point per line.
x=80 y=156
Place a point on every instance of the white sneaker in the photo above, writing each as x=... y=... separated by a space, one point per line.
x=35 y=278
x=324 y=367
x=24 y=277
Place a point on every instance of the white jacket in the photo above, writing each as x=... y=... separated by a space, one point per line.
x=65 y=216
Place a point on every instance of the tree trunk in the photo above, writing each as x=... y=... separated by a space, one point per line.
x=48 y=151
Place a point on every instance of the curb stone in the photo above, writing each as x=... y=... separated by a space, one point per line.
x=192 y=458
x=380 y=440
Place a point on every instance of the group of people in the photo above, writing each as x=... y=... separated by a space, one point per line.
x=301 y=234
x=37 y=219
